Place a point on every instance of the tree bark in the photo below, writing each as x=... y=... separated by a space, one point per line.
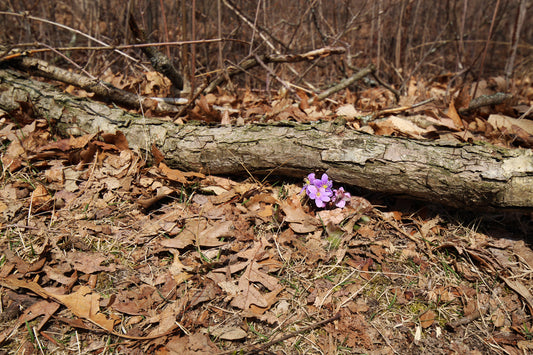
x=477 y=176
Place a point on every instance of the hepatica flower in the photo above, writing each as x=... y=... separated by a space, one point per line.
x=341 y=197
x=319 y=194
x=324 y=183
x=308 y=181
x=321 y=191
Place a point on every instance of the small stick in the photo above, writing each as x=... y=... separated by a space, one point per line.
x=33 y=18
x=263 y=347
x=346 y=82
x=7 y=49
x=192 y=100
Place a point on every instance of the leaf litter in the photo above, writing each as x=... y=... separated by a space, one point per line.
x=96 y=241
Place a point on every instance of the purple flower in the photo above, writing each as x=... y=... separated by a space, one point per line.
x=324 y=183
x=320 y=195
x=341 y=197
x=309 y=180
x=321 y=191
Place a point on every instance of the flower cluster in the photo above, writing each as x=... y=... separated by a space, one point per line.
x=321 y=191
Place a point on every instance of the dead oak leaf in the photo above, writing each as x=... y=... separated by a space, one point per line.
x=211 y=237
x=59 y=276
x=247 y=296
x=166 y=319
x=229 y=333
x=191 y=344
x=256 y=252
x=85 y=304
x=271 y=297
x=298 y=220
x=256 y=275
x=295 y=213
x=233 y=268
x=334 y=217
x=427 y=318
x=202 y=233
x=187 y=235
x=88 y=263
x=452 y=113
x=41 y=308
x=81 y=303
x=40 y=195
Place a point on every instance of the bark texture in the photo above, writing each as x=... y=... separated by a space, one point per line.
x=459 y=175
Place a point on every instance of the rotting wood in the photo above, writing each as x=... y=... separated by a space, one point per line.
x=459 y=175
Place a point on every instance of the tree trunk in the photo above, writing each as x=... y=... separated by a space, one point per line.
x=458 y=175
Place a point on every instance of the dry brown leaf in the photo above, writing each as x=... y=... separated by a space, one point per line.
x=59 y=276
x=85 y=304
x=167 y=319
x=191 y=344
x=524 y=251
x=228 y=333
x=463 y=99
x=233 y=268
x=398 y=125
x=304 y=100
x=156 y=153
x=294 y=212
x=88 y=262
x=149 y=202
x=348 y=111
x=172 y=174
x=427 y=318
x=256 y=252
x=498 y=318
x=500 y=122
x=211 y=236
x=525 y=345
x=334 y=216
x=426 y=227
x=223 y=197
x=225 y=120
x=156 y=84
x=522 y=290
x=11 y=159
x=367 y=232
x=247 y=296
x=13 y=283
x=41 y=308
x=303 y=228
x=118 y=139
x=315 y=248
x=271 y=297
x=256 y=201
x=452 y=113
x=187 y=236
x=255 y=275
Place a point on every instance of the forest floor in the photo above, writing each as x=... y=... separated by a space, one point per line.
x=104 y=251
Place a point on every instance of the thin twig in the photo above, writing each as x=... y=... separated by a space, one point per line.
x=253 y=349
x=481 y=67
x=193 y=99
x=70 y=61
x=345 y=83
x=271 y=72
x=26 y=15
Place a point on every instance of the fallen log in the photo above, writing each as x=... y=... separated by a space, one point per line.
x=477 y=176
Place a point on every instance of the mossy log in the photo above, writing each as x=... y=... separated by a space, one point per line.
x=478 y=176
